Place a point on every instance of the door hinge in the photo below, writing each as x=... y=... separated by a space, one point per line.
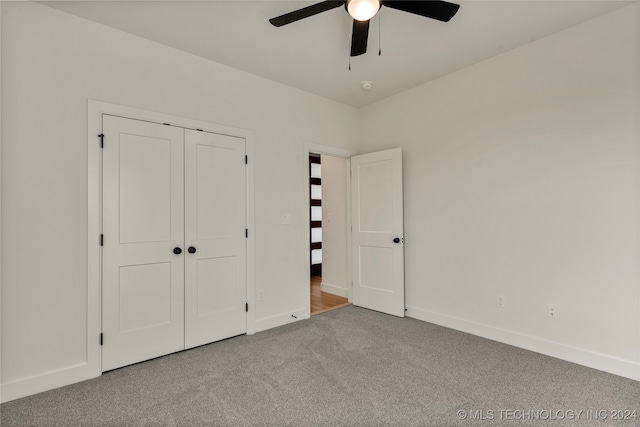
x=102 y=240
x=246 y=233
x=246 y=160
x=101 y=136
x=101 y=338
x=246 y=307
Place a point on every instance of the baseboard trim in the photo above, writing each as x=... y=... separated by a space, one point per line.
x=333 y=289
x=34 y=384
x=280 y=319
x=603 y=362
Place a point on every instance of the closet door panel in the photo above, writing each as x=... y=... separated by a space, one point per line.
x=143 y=221
x=215 y=222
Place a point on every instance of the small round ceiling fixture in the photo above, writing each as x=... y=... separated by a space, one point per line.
x=366 y=85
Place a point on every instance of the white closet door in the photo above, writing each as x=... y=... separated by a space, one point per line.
x=377 y=222
x=143 y=221
x=215 y=222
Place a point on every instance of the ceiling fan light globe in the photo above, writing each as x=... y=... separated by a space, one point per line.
x=363 y=10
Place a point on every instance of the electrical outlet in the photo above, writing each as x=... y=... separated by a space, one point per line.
x=552 y=310
x=501 y=300
x=261 y=295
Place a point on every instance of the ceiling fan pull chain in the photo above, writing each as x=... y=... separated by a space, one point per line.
x=379 y=33
x=350 y=37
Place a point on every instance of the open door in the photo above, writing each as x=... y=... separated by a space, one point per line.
x=377 y=223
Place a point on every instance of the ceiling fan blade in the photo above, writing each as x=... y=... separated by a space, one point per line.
x=305 y=12
x=359 y=37
x=435 y=9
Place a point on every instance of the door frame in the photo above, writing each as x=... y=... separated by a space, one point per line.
x=96 y=109
x=328 y=150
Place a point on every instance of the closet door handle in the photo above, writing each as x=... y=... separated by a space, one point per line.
x=177 y=251
x=191 y=250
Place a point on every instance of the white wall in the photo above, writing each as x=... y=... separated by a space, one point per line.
x=334 y=225
x=52 y=63
x=521 y=179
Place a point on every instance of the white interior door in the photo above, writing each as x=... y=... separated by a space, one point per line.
x=215 y=223
x=143 y=210
x=377 y=236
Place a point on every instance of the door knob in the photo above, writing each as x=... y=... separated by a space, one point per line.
x=177 y=251
x=396 y=240
x=191 y=250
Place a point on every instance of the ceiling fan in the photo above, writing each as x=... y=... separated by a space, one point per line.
x=363 y=10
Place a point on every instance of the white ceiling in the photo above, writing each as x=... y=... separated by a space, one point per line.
x=313 y=54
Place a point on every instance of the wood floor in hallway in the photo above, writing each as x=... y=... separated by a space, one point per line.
x=322 y=302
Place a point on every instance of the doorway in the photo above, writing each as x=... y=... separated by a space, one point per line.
x=373 y=229
x=328 y=232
